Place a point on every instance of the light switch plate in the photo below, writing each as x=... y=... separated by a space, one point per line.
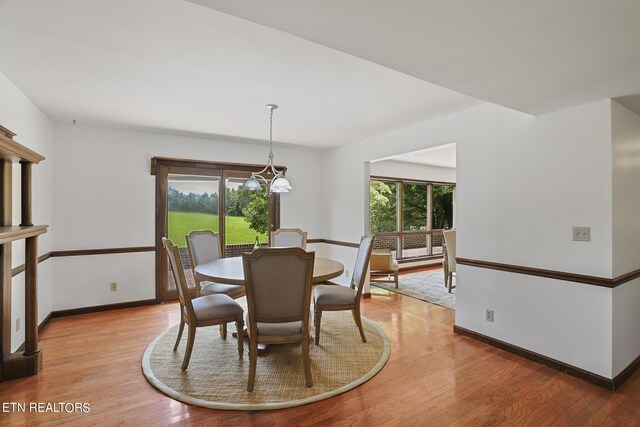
x=581 y=234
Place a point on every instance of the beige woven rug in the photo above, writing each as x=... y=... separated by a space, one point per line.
x=217 y=378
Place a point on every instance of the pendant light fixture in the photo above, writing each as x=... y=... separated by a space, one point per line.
x=278 y=184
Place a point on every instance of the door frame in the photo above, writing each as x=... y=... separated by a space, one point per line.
x=162 y=167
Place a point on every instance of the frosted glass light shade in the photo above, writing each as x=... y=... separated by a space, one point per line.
x=251 y=184
x=280 y=185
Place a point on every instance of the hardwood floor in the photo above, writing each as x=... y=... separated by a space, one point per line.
x=434 y=377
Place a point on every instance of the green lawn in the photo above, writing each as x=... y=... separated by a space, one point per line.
x=182 y=223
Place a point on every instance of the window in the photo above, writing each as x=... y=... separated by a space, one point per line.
x=414 y=207
x=408 y=216
x=246 y=214
x=192 y=205
x=200 y=195
x=443 y=207
x=384 y=206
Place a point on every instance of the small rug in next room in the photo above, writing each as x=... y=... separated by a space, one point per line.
x=426 y=286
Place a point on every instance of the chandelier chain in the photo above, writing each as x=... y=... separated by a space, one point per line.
x=279 y=184
x=271 y=136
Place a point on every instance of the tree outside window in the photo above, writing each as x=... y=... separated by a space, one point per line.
x=383 y=200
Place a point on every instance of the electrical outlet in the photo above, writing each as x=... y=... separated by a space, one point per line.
x=17 y=324
x=581 y=234
x=114 y=286
x=347 y=273
x=489 y=315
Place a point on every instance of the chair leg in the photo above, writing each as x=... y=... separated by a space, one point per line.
x=316 y=319
x=450 y=281
x=307 y=363
x=395 y=278
x=223 y=331
x=175 y=347
x=240 y=335
x=358 y=320
x=253 y=361
x=187 y=353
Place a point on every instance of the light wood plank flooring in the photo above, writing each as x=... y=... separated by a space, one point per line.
x=434 y=377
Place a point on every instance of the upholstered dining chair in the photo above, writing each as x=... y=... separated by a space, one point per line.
x=204 y=247
x=285 y=237
x=208 y=310
x=278 y=297
x=450 y=257
x=384 y=265
x=338 y=298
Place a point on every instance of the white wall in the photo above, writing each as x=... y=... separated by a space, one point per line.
x=626 y=234
x=35 y=131
x=626 y=321
x=396 y=169
x=625 y=133
x=105 y=197
x=522 y=183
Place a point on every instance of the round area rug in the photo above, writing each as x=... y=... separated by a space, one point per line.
x=217 y=378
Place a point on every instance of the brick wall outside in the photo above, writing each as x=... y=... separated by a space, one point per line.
x=411 y=241
x=385 y=242
x=232 y=251
x=239 y=249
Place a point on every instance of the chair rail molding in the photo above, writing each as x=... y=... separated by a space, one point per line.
x=553 y=274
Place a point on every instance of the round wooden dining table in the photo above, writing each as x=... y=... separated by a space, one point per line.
x=231 y=271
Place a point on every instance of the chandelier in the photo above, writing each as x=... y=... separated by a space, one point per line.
x=278 y=184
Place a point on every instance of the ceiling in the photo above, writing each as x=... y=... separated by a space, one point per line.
x=341 y=71
x=171 y=65
x=532 y=56
x=632 y=102
x=442 y=156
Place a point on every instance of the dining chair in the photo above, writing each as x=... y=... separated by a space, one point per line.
x=450 y=257
x=286 y=237
x=278 y=297
x=203 y=247
x=384 y=265
x=338 y=298
x=208 y=310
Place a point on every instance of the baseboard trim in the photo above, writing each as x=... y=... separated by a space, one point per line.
x=547 y=361
x=41 y=327
x=626 y=373
x=99 y=308
x=87 y=310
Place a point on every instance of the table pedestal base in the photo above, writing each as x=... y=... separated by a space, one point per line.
x=262 y=348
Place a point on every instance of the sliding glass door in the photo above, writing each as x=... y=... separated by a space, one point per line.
x=246 y=215
x=197 y=195
x=192 y=204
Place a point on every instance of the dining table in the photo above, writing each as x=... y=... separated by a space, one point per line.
x=231 y=270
